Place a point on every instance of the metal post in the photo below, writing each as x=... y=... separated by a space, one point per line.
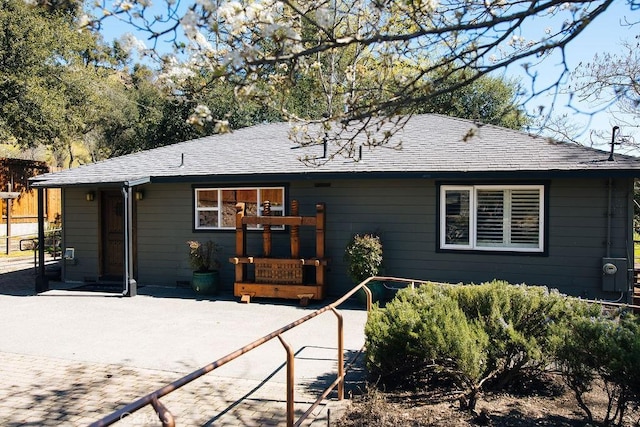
x=290 y=363
x=9 y=205
x=42 y=283
x=340 y=354
x=166 y=417
x=613 y=142
x=369 y=295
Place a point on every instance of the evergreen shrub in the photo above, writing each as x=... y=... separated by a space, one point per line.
x=471 y=333
x=363 y=256
x=602 y=350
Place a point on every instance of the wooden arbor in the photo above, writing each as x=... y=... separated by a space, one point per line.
x=279 y=277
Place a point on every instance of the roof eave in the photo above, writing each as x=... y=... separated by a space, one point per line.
x=46 y=183
x=516 y=174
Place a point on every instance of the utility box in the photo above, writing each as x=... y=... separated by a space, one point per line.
x=614 y=275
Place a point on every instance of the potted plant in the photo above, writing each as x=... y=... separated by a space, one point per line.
x=363 y=256
x=204 y=263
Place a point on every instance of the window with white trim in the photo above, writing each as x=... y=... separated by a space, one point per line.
x=215 y=208
x=492 y=217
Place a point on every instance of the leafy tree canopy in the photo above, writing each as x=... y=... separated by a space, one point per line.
x=52 y=75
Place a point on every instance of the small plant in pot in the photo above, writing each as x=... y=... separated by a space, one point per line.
x=204 y=263
x=363 y=256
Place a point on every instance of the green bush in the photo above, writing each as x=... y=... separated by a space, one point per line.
x=519 y=321
x=413 y=331
x=605 y=347
x=363 y=256
x=472 y=333
x=494 y=332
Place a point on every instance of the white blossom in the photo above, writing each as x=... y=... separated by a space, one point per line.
x=189 y=23
x=201 y=115
x=516 y=41
x=254 y=12
x=231 y=12
x=428 y=5
x=84 y=21
x=323 y=17
x=124 y=5
x=208 y=5
x=174 y=72
x=222 y=126
x=235 y=59
x=131 y=44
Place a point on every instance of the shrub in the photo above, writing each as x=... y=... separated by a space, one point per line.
x=604 y=347
x=472 y=333
x=203 y=255
x=415 y=329
x=363 y=256
x=520 y=321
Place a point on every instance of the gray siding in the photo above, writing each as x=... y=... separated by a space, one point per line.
x=402 y=211
x=164 y=226
x=80 y=231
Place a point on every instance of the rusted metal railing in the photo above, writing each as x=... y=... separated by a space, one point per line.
x=167 y=419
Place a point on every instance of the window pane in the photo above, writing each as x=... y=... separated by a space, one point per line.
x=216 y=208
x=229 y=200
x=228 y=214
x=207 y=198
x=490 y=218
x=457 y=217
x=525 y=218
x=207 y=219
x=245 y=196
x=274 y=195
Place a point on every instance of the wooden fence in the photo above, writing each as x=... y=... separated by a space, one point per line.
x=19 y=215
x=24 y=209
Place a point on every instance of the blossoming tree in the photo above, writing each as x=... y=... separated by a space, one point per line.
x=377 y=60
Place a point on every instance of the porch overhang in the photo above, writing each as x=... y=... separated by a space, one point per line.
x=53 y=183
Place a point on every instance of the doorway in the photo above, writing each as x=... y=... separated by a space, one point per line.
x=112 y=235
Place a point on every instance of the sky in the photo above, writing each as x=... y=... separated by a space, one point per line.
x=604 y=34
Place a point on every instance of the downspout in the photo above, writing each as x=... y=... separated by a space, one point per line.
x=609 y=213
x=130 y=285
x=125 y=197
x=630 y=244
x=609 y=207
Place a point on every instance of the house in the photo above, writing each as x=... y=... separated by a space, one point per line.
x=459 y=202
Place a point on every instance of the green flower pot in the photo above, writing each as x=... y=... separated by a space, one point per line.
x=206 y=283
x=378 y=293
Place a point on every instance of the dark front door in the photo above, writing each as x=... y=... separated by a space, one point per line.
x=112 y=235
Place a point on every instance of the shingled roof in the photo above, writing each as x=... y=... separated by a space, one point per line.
x=433 y=146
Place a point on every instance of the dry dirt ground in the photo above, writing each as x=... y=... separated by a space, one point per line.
x=546 y=404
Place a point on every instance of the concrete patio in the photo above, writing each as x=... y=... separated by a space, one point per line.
x=71 y=358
